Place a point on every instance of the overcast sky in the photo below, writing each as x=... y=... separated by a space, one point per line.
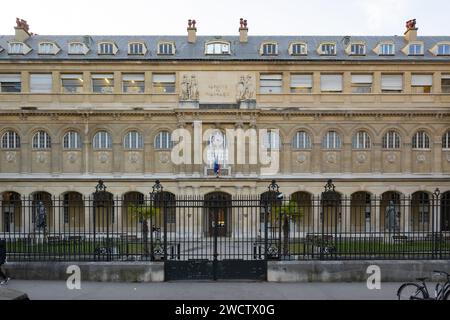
x=275 y=17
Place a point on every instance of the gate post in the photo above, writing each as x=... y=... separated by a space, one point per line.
x=271 y=250
x=330 y=201
x=100 y=197
x=155 y=197
x=436 y=233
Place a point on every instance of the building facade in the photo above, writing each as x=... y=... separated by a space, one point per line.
x=371 y=113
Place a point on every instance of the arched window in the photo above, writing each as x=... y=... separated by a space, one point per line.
x=361 y=140
x=42 y=140
x=77 y=48
x=10 y=140
x=137 y=48
x=102 y=140
x=297 y=49
x=166 y=48
x=421 y=140
x=331 y=140
x=446 y=140
x=163 y=140
x=72 y=140
x=46 y=48
x=217 y=48
x=301 y=140
x=271 y=139
x=133 y=140
x=391 y=140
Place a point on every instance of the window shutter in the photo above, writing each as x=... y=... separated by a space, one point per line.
x=166 y=78
x=41 y=83
x=10 y=77
x=392 y=82
x=362 y=78
x=133 y=77
x=331 y=82
x=301 y=80
x=422 y=80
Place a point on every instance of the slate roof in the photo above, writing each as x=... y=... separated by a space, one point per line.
x=239 y=51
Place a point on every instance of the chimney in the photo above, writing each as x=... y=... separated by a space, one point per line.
x=192 y=31
x=243 y=31
x=22 y=30
x=411 y=30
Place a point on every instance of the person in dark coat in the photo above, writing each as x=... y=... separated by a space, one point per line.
x=2 y=262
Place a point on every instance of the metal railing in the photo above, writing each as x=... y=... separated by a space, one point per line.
x=164 y=226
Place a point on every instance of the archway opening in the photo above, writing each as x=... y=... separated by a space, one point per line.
x=361 y=212
x=11 y=217
x=218 y=214
x=73 y=212
x=420 y=211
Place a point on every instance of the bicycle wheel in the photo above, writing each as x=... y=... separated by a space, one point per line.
x=410 y=291
x=447 y=295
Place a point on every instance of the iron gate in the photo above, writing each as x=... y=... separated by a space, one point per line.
x=216 y=237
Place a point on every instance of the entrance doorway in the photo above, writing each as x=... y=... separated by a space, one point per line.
x=218 y=214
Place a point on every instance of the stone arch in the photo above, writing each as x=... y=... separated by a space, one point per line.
x=11 y=212
x=421 y=211
x=304 y=219
x=217 y=212
x=361 y=212
x=391 y=211
x=73 y=211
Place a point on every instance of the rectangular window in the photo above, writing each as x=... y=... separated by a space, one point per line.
x=72 y=83
x=270 y=49
x=444 y=49
x=163 y=83
x=165 y=48
x=271 y=83
x=16 y=48
x=387 y=49
x=328 y=49
x=136 y=48
x=298 y=49
x=391 y=83
x=362 y=83
x=357 y=49
x=331 y=82
x=301 y=83
x=445 y=83
x=421 y=83
x=133 y=83
x=10 y=83
x=102 y=83
x=415 y=49
x=106 y=48
x=41 y=83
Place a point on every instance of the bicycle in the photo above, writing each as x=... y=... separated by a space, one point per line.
x=415 y=291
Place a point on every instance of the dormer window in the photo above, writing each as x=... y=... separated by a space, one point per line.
x=269 y=49
x=15 y=48
x=415 y=49
x=166 y=48
x=328 y=49
x=217 y=48
x=137 y=48
x=443 y=49
x=77 y=48
x=47 y=48
x=107 y=48
x=357 y=49
x=386 y=49
x=297 y=49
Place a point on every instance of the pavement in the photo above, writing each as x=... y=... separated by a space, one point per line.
x=186 y=290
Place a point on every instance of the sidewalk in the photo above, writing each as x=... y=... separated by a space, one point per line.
x=57 y=290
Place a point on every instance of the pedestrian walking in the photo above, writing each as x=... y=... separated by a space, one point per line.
x=3 y=274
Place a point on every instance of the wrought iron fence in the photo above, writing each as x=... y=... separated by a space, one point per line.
x=164 y=226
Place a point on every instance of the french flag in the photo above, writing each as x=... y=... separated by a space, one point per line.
x=216 y=167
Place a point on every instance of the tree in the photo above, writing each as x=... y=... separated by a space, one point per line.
x=286 y=212
x=144 y=213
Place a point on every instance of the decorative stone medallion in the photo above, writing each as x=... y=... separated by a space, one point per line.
x=133 y=157
x=421 y=158
x=10 y=156
x=72 y=157
x=361 y=157
x=103 y=157
x=164 y=158
x=301 y=158
x=41 y=157
x=391 y=157
x=331 y=157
